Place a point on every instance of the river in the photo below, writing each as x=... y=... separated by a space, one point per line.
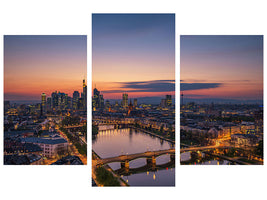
x=204 y=160
x=116 y=142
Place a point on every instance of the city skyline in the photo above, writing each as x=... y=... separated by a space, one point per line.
x=222 y=67
x=43 y=64
x=133 y=53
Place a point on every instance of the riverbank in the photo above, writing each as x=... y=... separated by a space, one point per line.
x=108 y=169
x=154 y=134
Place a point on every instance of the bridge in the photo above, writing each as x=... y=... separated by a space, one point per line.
x=125 y=159
x=148 y=167
x=234 y=160
x=100 y=122
x=201 y=148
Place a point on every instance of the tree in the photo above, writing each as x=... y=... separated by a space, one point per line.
x=106 y=178
x=84 y=129
x=259 y=149
x=94 y=130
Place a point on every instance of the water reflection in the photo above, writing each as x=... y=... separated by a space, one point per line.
x=116 y=142
x=139 y=175
x=111 y=143
x=186 y=158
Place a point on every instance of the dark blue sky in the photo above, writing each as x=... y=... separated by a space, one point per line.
x=132 y=48
x=34 y=64
x=222 y=66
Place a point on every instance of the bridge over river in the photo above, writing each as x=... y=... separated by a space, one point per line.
x=204 y=148
x=201 y=148
x=148 y=167
x=150 y=161
x=127 y=158
x=145 y=154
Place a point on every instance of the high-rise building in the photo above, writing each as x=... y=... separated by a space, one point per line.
x=130 y=108
x=54 y=102
x=49 y=104
x=84 y=95
x=97 y=100
x=96 y=97
x=75 y=100
x=62 y=101
x=163 y=103
x=168 y=100
x=69 y=102
x=101 y=101
x=80 y=104
x=124 y=100
x=43 y=105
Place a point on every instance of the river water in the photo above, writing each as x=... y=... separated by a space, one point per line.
x=211 y=161
x=111 y=143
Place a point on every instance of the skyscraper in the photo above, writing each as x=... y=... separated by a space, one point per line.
x=62 y=100
x=95 y=101
x=75 y=100
x=43 y=105
x=124 y=100
x=168 y=100
x=49 y=103
x=101 y=101
x=54 y=102
x=84 y=95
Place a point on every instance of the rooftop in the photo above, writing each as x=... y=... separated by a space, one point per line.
x=69 y=160
x=44 y=140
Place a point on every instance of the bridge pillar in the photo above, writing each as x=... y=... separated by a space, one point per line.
x=151 y=161
x=125 y=165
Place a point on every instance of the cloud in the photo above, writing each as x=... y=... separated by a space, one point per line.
x=146 y=86
x=198 y=86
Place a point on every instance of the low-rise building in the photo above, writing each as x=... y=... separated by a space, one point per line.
x=244 y=139
x=51 y=146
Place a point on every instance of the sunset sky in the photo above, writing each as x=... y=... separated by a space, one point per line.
x=133 y=53
x=225 y=67
x=37 y=64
